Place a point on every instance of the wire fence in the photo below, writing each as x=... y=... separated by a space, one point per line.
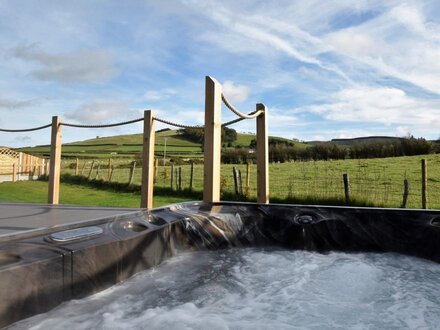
x=372 y=182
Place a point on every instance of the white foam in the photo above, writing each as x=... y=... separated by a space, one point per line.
x=263 y=289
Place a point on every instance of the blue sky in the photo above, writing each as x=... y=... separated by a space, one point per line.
x=325 y=69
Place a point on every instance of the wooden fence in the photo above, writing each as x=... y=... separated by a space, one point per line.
x=16 y=165
x=212 y=147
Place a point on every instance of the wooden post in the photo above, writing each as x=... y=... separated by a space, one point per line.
x=405 y=193
x=109 y=168
x=172 y=176
x=262 y=156
x=176 y=176
x=14 y=172
x=346 y=188
x=424 y=184
x=55 y=162
x=191 y=176
x=97 y=171
x=240 y=183
x=234 y=172
x=111 y=173
x=77 y=166
x=47 y=168
x=213 y=143
x=147 y=183
x=132 y=168
x=248 y=177
x=91 y=169
x=156 y=169
x=83 y=167
x=180 y=177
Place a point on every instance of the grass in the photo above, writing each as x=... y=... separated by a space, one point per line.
x=73 y=194
x=377 y=182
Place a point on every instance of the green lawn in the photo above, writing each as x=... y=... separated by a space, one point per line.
x=372 y=181
x=36 y=192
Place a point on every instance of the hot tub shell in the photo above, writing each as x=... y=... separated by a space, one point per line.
x=38 y=271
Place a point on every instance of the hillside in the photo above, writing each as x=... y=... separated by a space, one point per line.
x=130 y=145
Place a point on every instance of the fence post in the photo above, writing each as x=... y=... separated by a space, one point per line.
x=14 y=172
x=180 y=177
x=77 y=166
x=248 y=178
x=172 y=176
x=191 y=176
x=405 y=193
x=240 y=182
x=346 y=188
x=82 y=168
x=55 y=162
x=156 y=169
x=20 y=166
x=47 y=169
x=132 y=168
x=262 y=156
x=97 y=171
x=424 y=184
x=148 y=161
x=234 y=172
x=212 y=146
x=109 y=168
x=111 y=173
x=91 y=170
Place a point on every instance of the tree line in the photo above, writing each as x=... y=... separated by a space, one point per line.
x=284 y=151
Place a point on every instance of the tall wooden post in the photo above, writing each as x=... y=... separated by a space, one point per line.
x=213 y=143
x=346 y=179
x=14 y=172
x=109 y=168
x=77 y=166
x=262 y=156
x=424 y=184
x=191 y=176
x=148 y=161
x=55 y=162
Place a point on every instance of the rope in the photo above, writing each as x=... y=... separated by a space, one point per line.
x=252 y=115
x=232 y=122
x=176 y=124
x=104 y=125
x=25 y=129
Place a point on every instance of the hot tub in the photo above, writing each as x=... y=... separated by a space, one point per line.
x=50 y=255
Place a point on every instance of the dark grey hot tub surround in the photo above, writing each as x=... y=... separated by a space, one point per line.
x=40 y=267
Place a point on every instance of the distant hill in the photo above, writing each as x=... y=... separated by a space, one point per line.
x=131 y=145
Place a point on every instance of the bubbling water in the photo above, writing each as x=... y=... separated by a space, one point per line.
x=263 y=289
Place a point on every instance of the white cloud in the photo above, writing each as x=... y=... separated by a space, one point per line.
x=15 y=104
x=400 y=43
x=159 y=95
x=74 y=67
x=235 y=92
x=99 y=112
x=384 y=105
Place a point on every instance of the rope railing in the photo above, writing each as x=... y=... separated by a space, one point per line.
x=176 y=124
x=25 y=129
x=103 y=125
x=252 y=115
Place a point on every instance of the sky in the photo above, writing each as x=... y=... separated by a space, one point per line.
x=324 y=69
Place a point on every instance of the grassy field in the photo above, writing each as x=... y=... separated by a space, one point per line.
x=376 y=182
x=36 y=192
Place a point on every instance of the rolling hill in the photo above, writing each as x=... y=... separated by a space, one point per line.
x=131 y=145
